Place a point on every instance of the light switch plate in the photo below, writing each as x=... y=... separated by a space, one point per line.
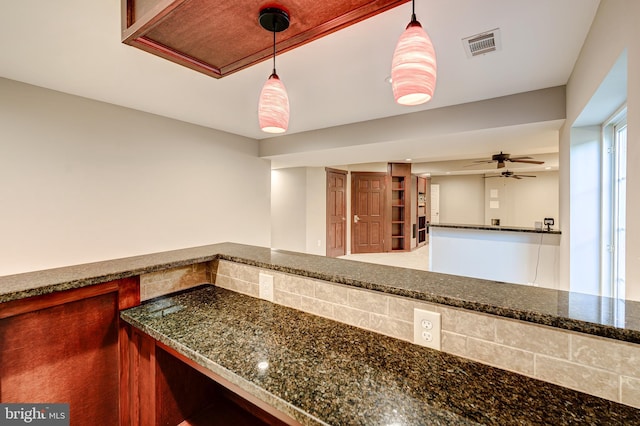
x=426 y=328
x=265 y=287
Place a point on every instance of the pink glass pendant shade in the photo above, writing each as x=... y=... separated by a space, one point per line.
x=413 y=69
x=273 y=106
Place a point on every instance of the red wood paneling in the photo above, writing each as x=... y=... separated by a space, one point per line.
x=219 y=38
x=64 y=354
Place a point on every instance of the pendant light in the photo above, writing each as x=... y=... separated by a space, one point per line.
x=273 y=106
x=413 y=69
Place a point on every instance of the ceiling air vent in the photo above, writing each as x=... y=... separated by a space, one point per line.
x=480 y=44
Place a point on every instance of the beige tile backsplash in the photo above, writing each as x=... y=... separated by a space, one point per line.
x=533 y=338
x=159 y=283
x=630 y=391
x=602 y=383
x=598 y=366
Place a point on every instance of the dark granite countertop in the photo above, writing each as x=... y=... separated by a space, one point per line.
x=601 y=316
x=323 y=372
x=494 y=228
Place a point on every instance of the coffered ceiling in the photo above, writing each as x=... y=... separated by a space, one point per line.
x=220 y=38
x=337 y=79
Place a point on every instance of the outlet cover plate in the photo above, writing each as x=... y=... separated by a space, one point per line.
x=426 y=328
x=265 y=287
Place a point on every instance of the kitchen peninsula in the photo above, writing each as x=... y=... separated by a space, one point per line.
x=319 y=371
x=290 y=366
x=501 y=253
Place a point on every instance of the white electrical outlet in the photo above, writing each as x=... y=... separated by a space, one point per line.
x=426 y=328
x=265 y=287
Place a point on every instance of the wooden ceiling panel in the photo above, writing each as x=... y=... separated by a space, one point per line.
x=221 y=37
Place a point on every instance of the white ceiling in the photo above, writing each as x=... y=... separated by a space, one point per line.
x=74 y=46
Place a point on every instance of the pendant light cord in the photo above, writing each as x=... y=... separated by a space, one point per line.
x=413 y=11
x=274 y=45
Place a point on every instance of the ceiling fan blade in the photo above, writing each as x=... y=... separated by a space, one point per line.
x=502 y=158
x=527 y=161
x=527 y=176
x=515 y=176
x=487 y=177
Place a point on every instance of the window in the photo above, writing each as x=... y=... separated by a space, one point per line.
x=615 y=205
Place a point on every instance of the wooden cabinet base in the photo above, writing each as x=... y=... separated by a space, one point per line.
x=186 y=393
x=63 y=348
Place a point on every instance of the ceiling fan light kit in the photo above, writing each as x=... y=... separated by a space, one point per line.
x=413 y=68
x=273 y=105
x=508 y=174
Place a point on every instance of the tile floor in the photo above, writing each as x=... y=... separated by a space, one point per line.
x=415 y=259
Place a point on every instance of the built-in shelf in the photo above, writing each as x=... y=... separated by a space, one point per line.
x=400 y=197
x=421 y=219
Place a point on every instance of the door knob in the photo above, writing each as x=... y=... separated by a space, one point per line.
x=356 y=218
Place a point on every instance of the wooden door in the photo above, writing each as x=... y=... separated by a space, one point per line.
x=435 y=203
x=368 y=212
x=336 y=212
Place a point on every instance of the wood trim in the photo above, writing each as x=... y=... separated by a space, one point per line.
x=400 y=170
x=172 y=55
x=35 y=303
x=128 y=292
x=137 y=31
x=329 y=169
x=128 y=297
x=126 y=391
x=138 y=27
x=139 y=361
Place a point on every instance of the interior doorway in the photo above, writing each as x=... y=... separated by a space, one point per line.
x=435 y=203
x=368 y=201
x=336 y=212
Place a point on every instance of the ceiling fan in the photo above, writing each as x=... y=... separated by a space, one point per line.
x=502 y=158
x=508 y=174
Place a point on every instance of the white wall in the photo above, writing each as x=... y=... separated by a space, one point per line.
x=298 y=208
x=513 y=257
x=585 y=219
x=316 y=210
x=466 y=199
x=461 y=198
x=289 y=209
x=614 y=29
x=429 y=127
x=522 y=202
x=83 y=181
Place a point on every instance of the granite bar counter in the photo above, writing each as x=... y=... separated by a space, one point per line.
x=322 y=372
x=600 y=316
x=497 y=228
